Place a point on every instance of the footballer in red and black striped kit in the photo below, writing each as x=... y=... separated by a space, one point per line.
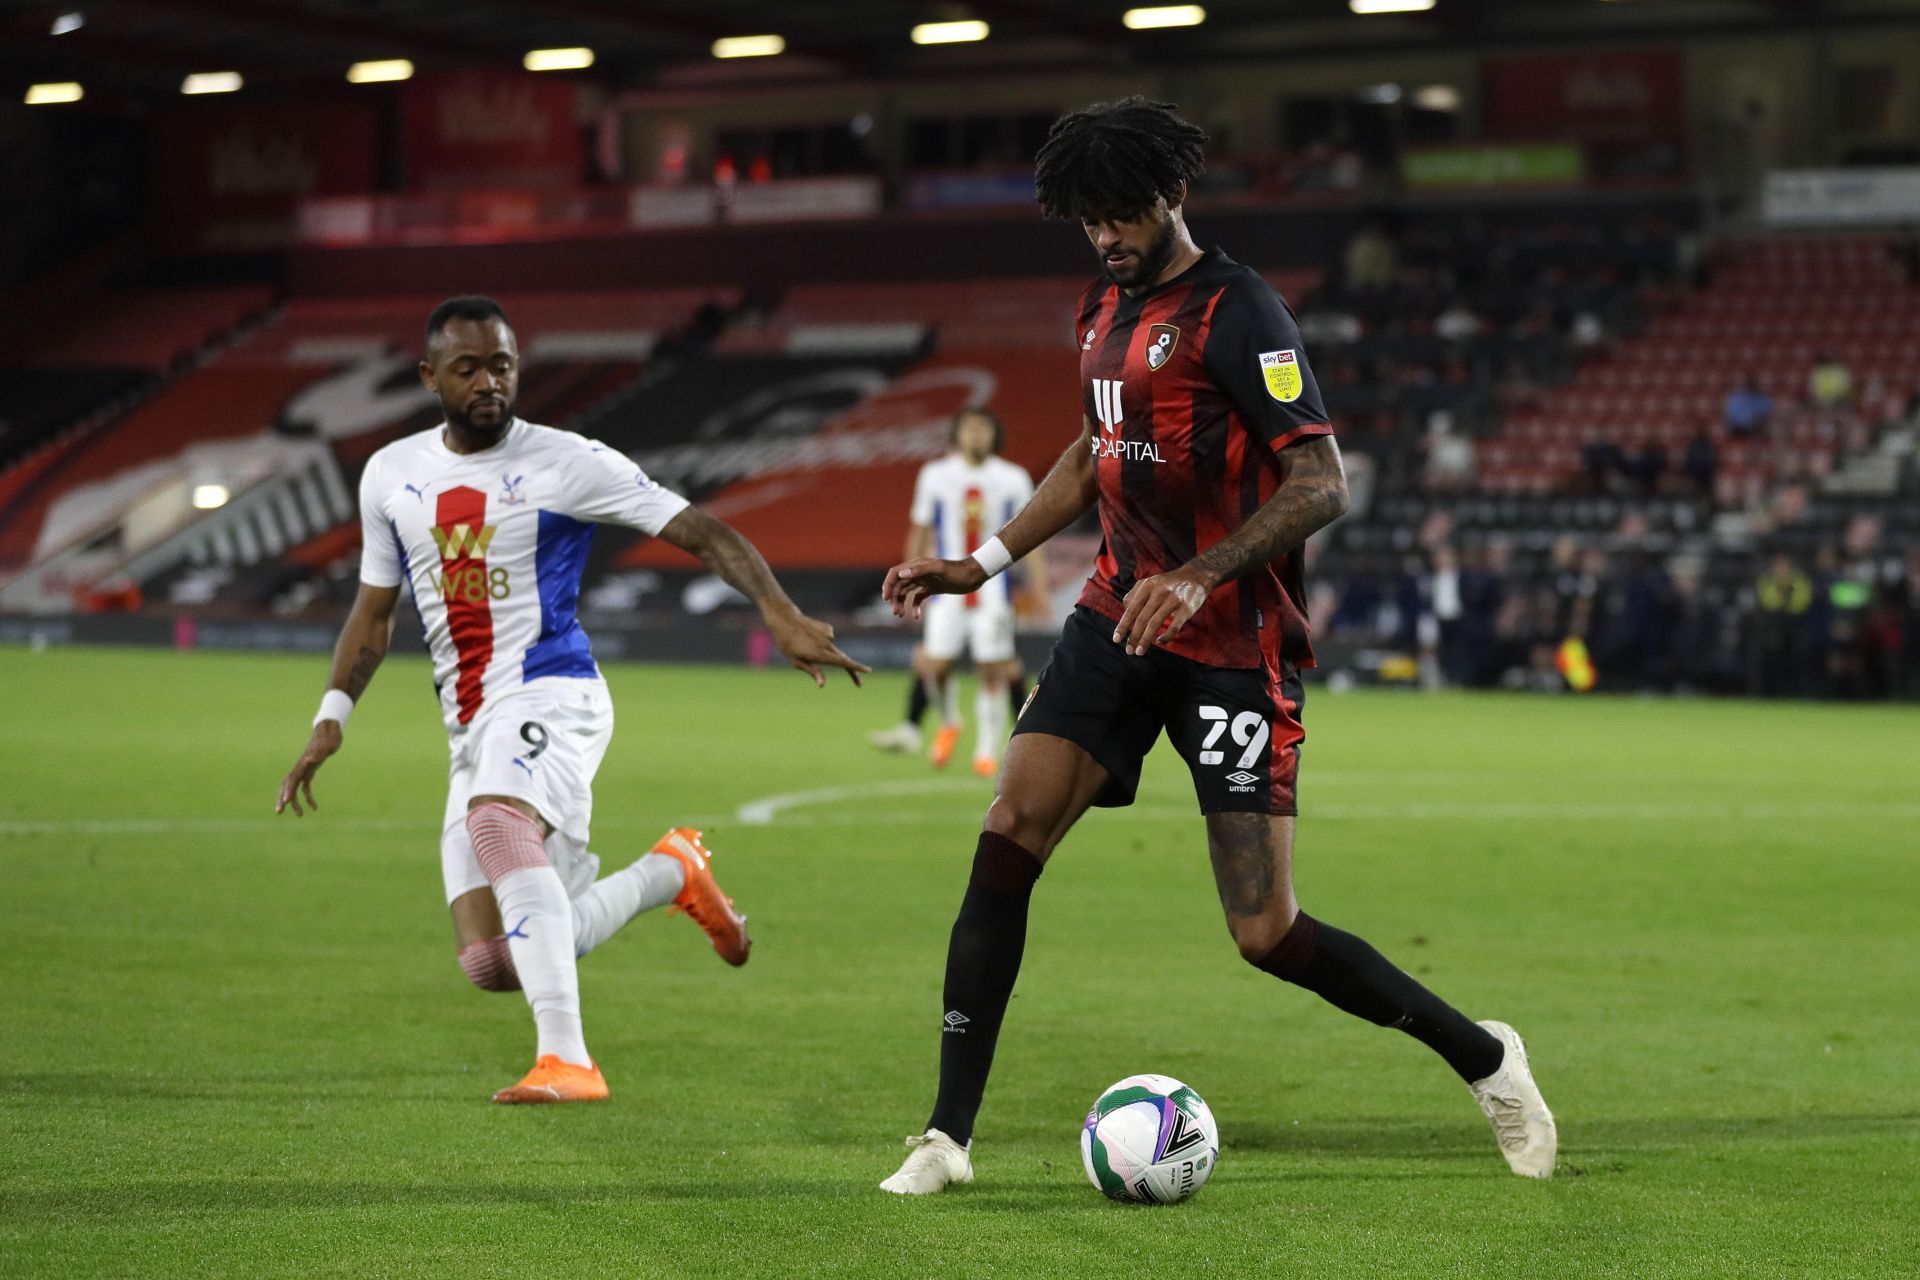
x=1195 y=388
x=1209 y=455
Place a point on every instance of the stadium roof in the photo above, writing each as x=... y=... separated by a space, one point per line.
x=145 y=46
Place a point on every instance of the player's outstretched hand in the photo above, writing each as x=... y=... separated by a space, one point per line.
x=808 y=645
x=908 y=585
x=324 y=742
x=1165 y=600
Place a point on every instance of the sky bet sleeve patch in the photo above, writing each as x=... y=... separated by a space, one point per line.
x=1281 y=369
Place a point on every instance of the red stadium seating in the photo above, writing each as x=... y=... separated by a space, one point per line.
x=1774 y=307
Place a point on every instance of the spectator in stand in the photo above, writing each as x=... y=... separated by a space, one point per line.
x=1333 y=327
x=1905 y=250
x=1748 y=408
x=1602 y=459
x=1647 y=468
x=1372 y=262
x=1701 y=462
x=1450 y=462
x=1830 y=384
x=1457 y=323
x=1587 y=331
x=1705 y=638
x=1782 y=596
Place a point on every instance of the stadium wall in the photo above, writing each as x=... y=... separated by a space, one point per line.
x=896 y=247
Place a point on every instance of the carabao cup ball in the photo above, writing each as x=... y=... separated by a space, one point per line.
x=1149 y=1139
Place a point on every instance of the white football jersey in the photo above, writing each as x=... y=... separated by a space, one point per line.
x=492 y=545
x=965 y=505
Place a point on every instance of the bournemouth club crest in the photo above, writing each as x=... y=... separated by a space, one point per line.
x=1281 y=369
x=1161 y=340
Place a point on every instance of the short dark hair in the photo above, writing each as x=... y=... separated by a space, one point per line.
x=979 y=411
x=1115 y=159
x=468 y=306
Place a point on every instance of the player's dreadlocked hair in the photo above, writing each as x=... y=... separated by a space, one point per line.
x=1115 y=159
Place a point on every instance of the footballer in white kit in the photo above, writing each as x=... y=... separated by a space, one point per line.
x=959 y=501
x=486 y=520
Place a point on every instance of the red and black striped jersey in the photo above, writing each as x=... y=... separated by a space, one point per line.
x=1193 y=389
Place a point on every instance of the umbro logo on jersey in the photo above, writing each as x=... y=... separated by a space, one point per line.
x=1086 y=343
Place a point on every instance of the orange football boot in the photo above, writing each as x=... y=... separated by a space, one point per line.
x=555 y=1080
x=943 y=744
x=700 y=897
x=986 y=766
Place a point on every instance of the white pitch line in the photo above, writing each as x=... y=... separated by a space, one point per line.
x=777 y=811
x=761 y=812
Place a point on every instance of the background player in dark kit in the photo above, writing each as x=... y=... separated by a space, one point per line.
x=1206 y=447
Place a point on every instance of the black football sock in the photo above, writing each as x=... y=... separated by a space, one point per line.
x=917 y=702
x=1350 y=975
x=1017 y=697
x=983 y=959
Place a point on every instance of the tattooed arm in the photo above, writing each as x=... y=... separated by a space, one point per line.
x=806 y=642
x=1313 y=495
x=363 y=640
x=356 y=656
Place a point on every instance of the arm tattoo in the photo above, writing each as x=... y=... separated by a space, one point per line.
x=739 y=564
x=1313 y=495
x=1245 y=854
x=360 y=675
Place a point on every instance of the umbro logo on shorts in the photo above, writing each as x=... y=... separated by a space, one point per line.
x=1243 y=779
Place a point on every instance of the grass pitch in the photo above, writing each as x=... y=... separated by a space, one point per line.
x=235 y=1045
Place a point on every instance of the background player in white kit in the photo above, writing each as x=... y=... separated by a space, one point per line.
x=959 y=501
x=487 y=519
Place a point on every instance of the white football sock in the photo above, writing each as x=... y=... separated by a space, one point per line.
x=950 y=701
x=604 y=909
x=539 y=924
x=990 y=723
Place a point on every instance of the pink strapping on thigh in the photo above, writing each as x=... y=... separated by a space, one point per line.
x=504 y=840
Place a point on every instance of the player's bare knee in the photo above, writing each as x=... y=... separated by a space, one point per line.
x=1016 y=818
x=488 y=965
x=1257 y=936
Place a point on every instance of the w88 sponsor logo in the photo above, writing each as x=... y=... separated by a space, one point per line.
x=472 y=583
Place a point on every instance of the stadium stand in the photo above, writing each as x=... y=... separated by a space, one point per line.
x=1632 y=509
x=335 y=372
x=1523 y=405
x=93 y=355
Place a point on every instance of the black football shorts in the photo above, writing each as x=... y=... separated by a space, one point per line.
x=1238 y=730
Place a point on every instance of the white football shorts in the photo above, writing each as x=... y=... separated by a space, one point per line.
x=541 y=743
x=985 y=630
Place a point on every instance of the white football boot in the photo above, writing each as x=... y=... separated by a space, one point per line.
x=1516 y=1110
x=937 y=1162
x=902 y=739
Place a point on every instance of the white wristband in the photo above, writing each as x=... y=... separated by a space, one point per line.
x=334 y=705
x=992 y=556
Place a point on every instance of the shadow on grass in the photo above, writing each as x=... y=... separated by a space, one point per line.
x=1614 y=1134
x=1013 y=1188
x=287 y=1088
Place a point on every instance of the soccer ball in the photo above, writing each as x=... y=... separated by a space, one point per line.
x=1149 y=1139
